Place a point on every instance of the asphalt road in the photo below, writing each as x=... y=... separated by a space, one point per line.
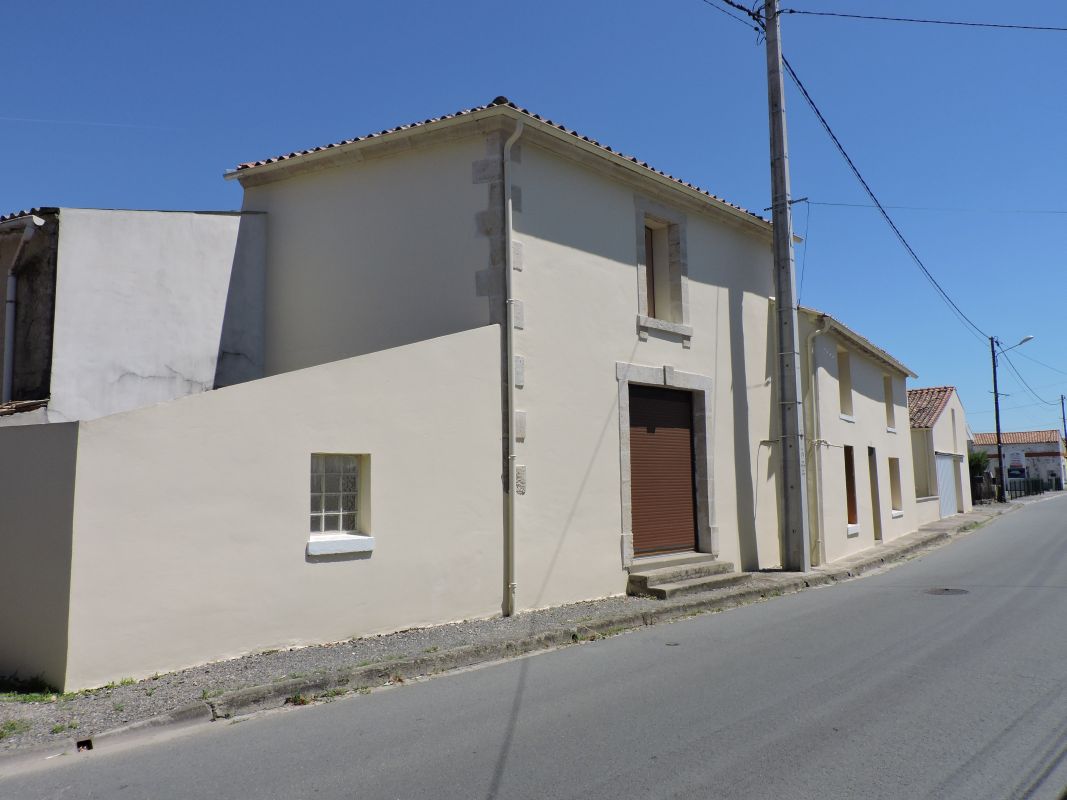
x=870 y=689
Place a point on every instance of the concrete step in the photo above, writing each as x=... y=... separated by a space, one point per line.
x=645 y=578
x=646 y=563
x=666 y=591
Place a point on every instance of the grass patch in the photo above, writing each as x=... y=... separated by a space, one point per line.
x=207 y=694
x=58 y=728
x=330 y=693
x=433 y=649
x=296 y=700
x=363 y=690
x=13 y=727
x=118 y=706
x=29 y=690
x=127 y=682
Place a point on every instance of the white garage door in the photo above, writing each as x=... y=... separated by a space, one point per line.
x=946 y=484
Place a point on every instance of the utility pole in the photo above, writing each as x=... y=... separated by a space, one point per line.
x=793 y=480
x=1063 y=416
x=996 y=413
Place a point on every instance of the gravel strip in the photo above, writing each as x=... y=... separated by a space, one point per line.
x=83 y=714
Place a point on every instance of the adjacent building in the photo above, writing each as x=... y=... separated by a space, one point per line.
x=1031 y=455
x=939 y=452
x=859 y=454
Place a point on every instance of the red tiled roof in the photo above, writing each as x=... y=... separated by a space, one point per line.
x=500 y=101
x=1019 y=437
x=926 y=405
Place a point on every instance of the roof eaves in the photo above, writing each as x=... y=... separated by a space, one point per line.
x=860 y=341
x=499 y=107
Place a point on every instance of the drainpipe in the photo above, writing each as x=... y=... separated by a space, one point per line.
x=509 y=339
x=30 y=227
x=816 y=440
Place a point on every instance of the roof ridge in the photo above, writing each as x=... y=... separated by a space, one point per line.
x=496 y=102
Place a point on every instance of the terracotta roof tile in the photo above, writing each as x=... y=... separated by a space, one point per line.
x=1019 y=437
x=926 y=405
x=500 y=101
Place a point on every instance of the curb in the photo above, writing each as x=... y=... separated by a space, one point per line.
x=299 y=691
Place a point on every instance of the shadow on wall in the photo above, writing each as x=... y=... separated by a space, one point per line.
x=743 y=475
x=240 y=356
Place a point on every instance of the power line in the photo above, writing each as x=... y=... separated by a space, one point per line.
x=1043 y=364
x=959 y=23
x=963 y=318
x=1018 y=375
x=878 y=204
x=807 y=246
x=730 y=14
x=948 y=208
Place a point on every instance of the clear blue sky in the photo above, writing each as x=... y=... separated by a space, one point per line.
x=144 y=104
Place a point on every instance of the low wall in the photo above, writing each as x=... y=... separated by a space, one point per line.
x=192 y=517
x=36 y=509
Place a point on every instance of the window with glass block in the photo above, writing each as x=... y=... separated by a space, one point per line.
x=334 y=492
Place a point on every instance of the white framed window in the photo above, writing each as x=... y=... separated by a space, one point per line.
x=894 y=488
x=844 y=383
x=339 y=504
x=890 y=406
x=663 y=288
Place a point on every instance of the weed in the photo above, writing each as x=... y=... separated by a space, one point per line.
x=207 y=694
x=296 y=700
x=365 y=663
x=151 y=690
x=333 y=693
x=72 y=725
x=296 y=675
x=363 y=690
x=433 y=649
x=127 y=682
x=117 y=706
x=13 y=727
x=393 y=658
x=58 y=728
x=268 y=652
x=31 y=690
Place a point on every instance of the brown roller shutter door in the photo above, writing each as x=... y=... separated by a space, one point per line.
x=661 y=470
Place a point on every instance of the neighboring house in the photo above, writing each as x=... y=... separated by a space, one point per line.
x=859 y=453
x=1027 y=454
x=939 y=452
x=504 y=367
x=112 y=310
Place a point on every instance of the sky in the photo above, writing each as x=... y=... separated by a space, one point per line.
x=959 y=131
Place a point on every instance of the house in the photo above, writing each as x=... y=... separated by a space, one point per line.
x=859 y=456
x=939 y=452
x=1027 y=454
x=495 y=366
x=110 y=310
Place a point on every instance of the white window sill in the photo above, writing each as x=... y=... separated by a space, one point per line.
x=929 y=499
x=848 y=418
x=852 y=530
x=889 y=429
x=897 y=514
x=651 y=323
x=329 y=544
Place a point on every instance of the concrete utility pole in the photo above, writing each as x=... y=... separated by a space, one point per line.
x=793 y=481
x=996 y=414
x=1063 y=416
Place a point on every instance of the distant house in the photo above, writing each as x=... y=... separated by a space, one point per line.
x=1027 y=454
x=939 y=452
x=859 y=454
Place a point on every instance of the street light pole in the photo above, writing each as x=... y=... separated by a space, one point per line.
x=996 y=412
x=994 y=342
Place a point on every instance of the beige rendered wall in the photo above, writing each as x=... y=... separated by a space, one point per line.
x=36 y=509
x=371 y=255
x=578 y=289
x=868 y=428
x=191 y=517
x=927 y=504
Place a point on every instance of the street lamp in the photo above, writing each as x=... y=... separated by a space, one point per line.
x=994 y=342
